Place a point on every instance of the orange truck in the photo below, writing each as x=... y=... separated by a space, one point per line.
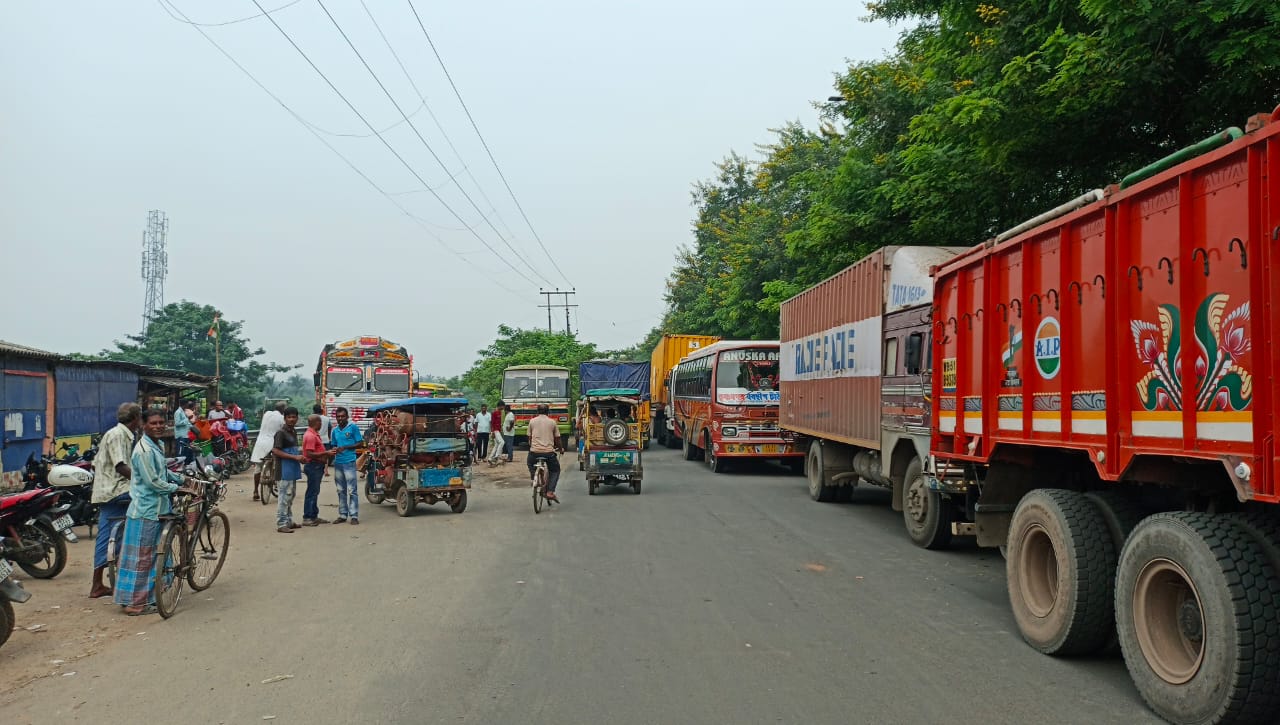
x=670 y=350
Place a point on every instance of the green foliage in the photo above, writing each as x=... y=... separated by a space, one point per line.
x=483 y=382
x=983 y=116
x=299 y=389
x=177 y=339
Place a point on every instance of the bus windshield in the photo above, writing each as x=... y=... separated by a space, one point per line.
x=391 y=380
x=747 y=377
x=344 y=379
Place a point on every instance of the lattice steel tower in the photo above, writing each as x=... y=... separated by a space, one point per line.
x=155 y=264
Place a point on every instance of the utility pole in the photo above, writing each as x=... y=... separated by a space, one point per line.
x=155 y=264
x=565 y=294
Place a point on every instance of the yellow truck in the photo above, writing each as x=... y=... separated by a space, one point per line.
x=670 y=350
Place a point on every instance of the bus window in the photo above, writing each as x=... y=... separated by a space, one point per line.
x=890 y=357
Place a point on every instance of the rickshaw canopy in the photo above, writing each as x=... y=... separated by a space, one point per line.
x=628 y=395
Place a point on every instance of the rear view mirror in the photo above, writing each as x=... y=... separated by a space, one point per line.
x=912 y=354
x=315 y=379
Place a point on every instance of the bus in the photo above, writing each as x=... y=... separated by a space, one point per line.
x=725 y=399
x=525 y=387
x=361 y=372
x=430 y=390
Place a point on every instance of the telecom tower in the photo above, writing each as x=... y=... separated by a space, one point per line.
x=155 y=264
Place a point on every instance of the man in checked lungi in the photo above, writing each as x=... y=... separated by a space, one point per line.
x=150 y=489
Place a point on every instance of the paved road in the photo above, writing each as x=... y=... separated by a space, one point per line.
x=708 y=599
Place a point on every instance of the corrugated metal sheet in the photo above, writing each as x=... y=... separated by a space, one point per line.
x=12 y=349
x=23 y=402
x=87 y=397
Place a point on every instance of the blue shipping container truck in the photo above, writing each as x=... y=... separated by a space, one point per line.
x=596 y=374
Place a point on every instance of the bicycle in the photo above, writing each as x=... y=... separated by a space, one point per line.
x=267 y=480
x=116 y=524
x=540 y=474
x=193 y=547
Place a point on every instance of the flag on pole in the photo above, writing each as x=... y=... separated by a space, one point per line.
x=213 y=329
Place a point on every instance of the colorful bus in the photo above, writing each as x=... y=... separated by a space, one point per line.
x=525 y=387
x=362 y=372
x=725 y=398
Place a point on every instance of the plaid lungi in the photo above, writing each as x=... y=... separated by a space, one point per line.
x=135 y=572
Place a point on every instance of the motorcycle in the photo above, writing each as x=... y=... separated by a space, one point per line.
x=75 y=481
x=32 y=522
x=11 y=592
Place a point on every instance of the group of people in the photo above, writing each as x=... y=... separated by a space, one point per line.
x=226 y=422
x=491 y=435
x=325 y=442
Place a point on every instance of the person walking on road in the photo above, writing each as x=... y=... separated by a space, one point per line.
x=272 y=422
x=509 y=434
x=545 y=445
x=313 y=450
x=290 y=459
x=484 y=424
x=497 y=443
x=182 y=433
x=345 y=438
x=111 y=479
x=150 y=486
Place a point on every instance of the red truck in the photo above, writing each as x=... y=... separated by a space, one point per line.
x=1102 y=407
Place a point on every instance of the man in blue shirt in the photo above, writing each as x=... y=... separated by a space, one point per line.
x=182 y=433
x=344 y=437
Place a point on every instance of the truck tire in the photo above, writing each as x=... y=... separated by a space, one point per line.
x=1265 y=530
x=691 y=452
x=926 y=513
x=1196 y=598
x=817 y=475
x=1060 y=572
x=1122 y=514
x=715 y=463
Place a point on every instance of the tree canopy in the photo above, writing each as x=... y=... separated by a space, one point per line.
x=177 y=339
x=984 y=115
x=515 y=346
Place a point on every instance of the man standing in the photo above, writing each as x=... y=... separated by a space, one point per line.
x=545 y=445
x=111 y=478
x=509 y=434
x=497 y=444
x=345 y=437
x=326 y=423
x=484 y=422
x=272 y=422
x=316 y=456
x=218 y=412
x=182 y=433
x=289 y=461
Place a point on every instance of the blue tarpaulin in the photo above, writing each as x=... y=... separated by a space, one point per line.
x=614 y=374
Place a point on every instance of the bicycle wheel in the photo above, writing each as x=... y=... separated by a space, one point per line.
x=539 y=484
x=168 y=567
x=268 y=492
x=209 y=551
x=113 y=552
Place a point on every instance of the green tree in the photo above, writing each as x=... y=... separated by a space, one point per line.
x=523 y=347
x=177 y=339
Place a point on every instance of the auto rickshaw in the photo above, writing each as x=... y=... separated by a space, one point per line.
x=610 y=438
x=417 y=452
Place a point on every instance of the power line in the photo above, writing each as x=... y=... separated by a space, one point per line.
x=391 y=148
x=409 y=77
x=335 y=151
x=483 y=143
x=417 y=133
x=188 y=21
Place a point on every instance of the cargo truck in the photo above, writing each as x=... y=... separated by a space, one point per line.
x=1101 y=406
x=669 y=351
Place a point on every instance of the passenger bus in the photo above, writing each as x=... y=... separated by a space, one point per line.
x=525 y=387
x=725 y=399
x=361 y=372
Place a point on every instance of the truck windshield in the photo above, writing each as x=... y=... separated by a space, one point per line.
x=553 y=384
x=391 y=380
x=747 y=377
x=535 y=384
x=344 y=379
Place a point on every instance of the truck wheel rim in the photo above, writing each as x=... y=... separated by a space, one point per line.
x=1169 y=621
x=915 y=503
x=1038 y=571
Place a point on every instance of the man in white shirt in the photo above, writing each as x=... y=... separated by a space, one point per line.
x=483 y=426
x=272 y=422
x=509 y=435
x=218 y=412
x=112 y=476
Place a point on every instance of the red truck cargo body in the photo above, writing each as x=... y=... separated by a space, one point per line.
x=833 y=335
x=1141 y=325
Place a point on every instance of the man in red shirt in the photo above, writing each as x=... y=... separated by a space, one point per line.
x=313 y=451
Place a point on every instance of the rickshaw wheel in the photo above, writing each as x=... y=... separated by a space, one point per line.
x=635 y=487
x=459 y=504
x=405 y=501
x=591 y=487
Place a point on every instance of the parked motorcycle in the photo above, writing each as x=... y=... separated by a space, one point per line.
x=11 y=592
x=33 y=522
x=75 y=481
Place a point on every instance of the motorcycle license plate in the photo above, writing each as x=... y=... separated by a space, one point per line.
x=5 y=569
x=63 y=522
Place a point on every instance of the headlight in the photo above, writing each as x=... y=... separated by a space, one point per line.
x=564 y=419
x=729 y=431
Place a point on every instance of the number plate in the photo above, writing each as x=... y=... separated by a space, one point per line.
x=63 y=522
x=762 y=448
x=5 y=569
x=613 y=458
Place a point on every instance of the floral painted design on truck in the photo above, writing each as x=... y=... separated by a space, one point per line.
x=1221 y=383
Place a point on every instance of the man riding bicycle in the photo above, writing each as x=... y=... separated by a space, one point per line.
x=545 y=445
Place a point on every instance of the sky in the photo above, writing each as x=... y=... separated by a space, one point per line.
x=601 y=116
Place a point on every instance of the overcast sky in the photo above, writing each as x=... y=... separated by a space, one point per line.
x=601 y=116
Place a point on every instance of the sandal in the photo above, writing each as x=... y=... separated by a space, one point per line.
x=149 y=609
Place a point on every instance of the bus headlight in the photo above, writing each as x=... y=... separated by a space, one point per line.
x=729 y=431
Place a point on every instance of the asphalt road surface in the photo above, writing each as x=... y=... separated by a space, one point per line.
x=726 y=598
